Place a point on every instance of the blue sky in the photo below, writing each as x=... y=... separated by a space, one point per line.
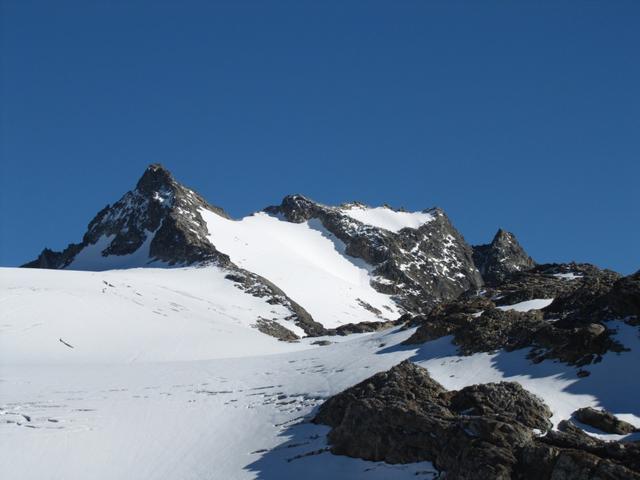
x=521 y=115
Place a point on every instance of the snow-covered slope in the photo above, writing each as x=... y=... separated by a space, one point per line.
x=63 y=414
x=387 y=218
x=130 y=316
x=306 y=261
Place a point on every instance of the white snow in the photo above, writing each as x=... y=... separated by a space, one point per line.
x=535 y=304
x=130 y=316
x=306 y=261
x=91 y=258
x=387 y=218
x=568 y=276
x=120 y=405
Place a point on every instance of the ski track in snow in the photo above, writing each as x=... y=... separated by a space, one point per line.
x=190 y=411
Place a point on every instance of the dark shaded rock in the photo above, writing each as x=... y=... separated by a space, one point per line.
x=480 y=432
x=420 y=267
x=603 y=420
x=585 y=303
x=507 y=399
x=322 y=343
x=446 y=319
x=570 y=453
x=362 y=327
x=403 y=415
x=623 y=300
x=274 y=329
x=496 y=329
x=503 y=256
x=570 y=329
x=551 y=280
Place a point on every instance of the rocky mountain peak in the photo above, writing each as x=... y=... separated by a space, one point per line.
x=155 y=178
x=159 y=215
x=503 y=256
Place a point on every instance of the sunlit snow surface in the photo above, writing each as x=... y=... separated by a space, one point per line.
x=130 y=316
x=99 y=412
x=307 y=262
x=535 y=304
x=91 y=258
x=387 y=218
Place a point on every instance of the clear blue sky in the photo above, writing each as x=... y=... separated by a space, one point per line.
x=522 y=115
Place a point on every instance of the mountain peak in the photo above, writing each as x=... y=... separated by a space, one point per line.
x=158 y=221
x=503 y=237
x=155 y=178
x=504 y=255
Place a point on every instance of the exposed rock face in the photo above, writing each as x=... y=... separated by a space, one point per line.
x=274 y=329
x=571 y=454
x=362 y=327
x=572 y=329
x=403 y=416
x=159 y=208
x=503 y=256
x=496 y=329
x=165 y=213
x=419 y=266
x=603 y=420
x=623 y=300
x=480 y=432
x=550 y=280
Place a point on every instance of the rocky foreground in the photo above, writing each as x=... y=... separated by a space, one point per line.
x=489 y=431
x=499 y=430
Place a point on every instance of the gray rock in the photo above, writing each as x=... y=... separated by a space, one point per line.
x=419 y=267
x=503 y=256
x=403 y=415
x=603 y=420
x=480 y=432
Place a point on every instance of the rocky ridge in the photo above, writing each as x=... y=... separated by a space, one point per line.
x=420 y=266
x=574 y=328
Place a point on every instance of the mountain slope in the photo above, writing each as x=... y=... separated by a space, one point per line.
x=92 y=408
x=159 y=224
x=136 y=315
x=417 y=257
x=327 y=265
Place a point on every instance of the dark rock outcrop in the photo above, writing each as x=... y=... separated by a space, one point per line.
x=497 y=329
x=572 y=329
x=550 y=280
x=403 y=416
x=503 y=256
x=603 y=420
x=419 y=266
x=158 y=208
x=491 y=431
x=274 y=329
x=623 y=300
x=363 y=327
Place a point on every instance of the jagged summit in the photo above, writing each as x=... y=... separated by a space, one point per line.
x=158 y=221
x=503 y=256
x=155 y=178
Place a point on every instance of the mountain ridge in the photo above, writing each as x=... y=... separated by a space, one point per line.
x=416 y=259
